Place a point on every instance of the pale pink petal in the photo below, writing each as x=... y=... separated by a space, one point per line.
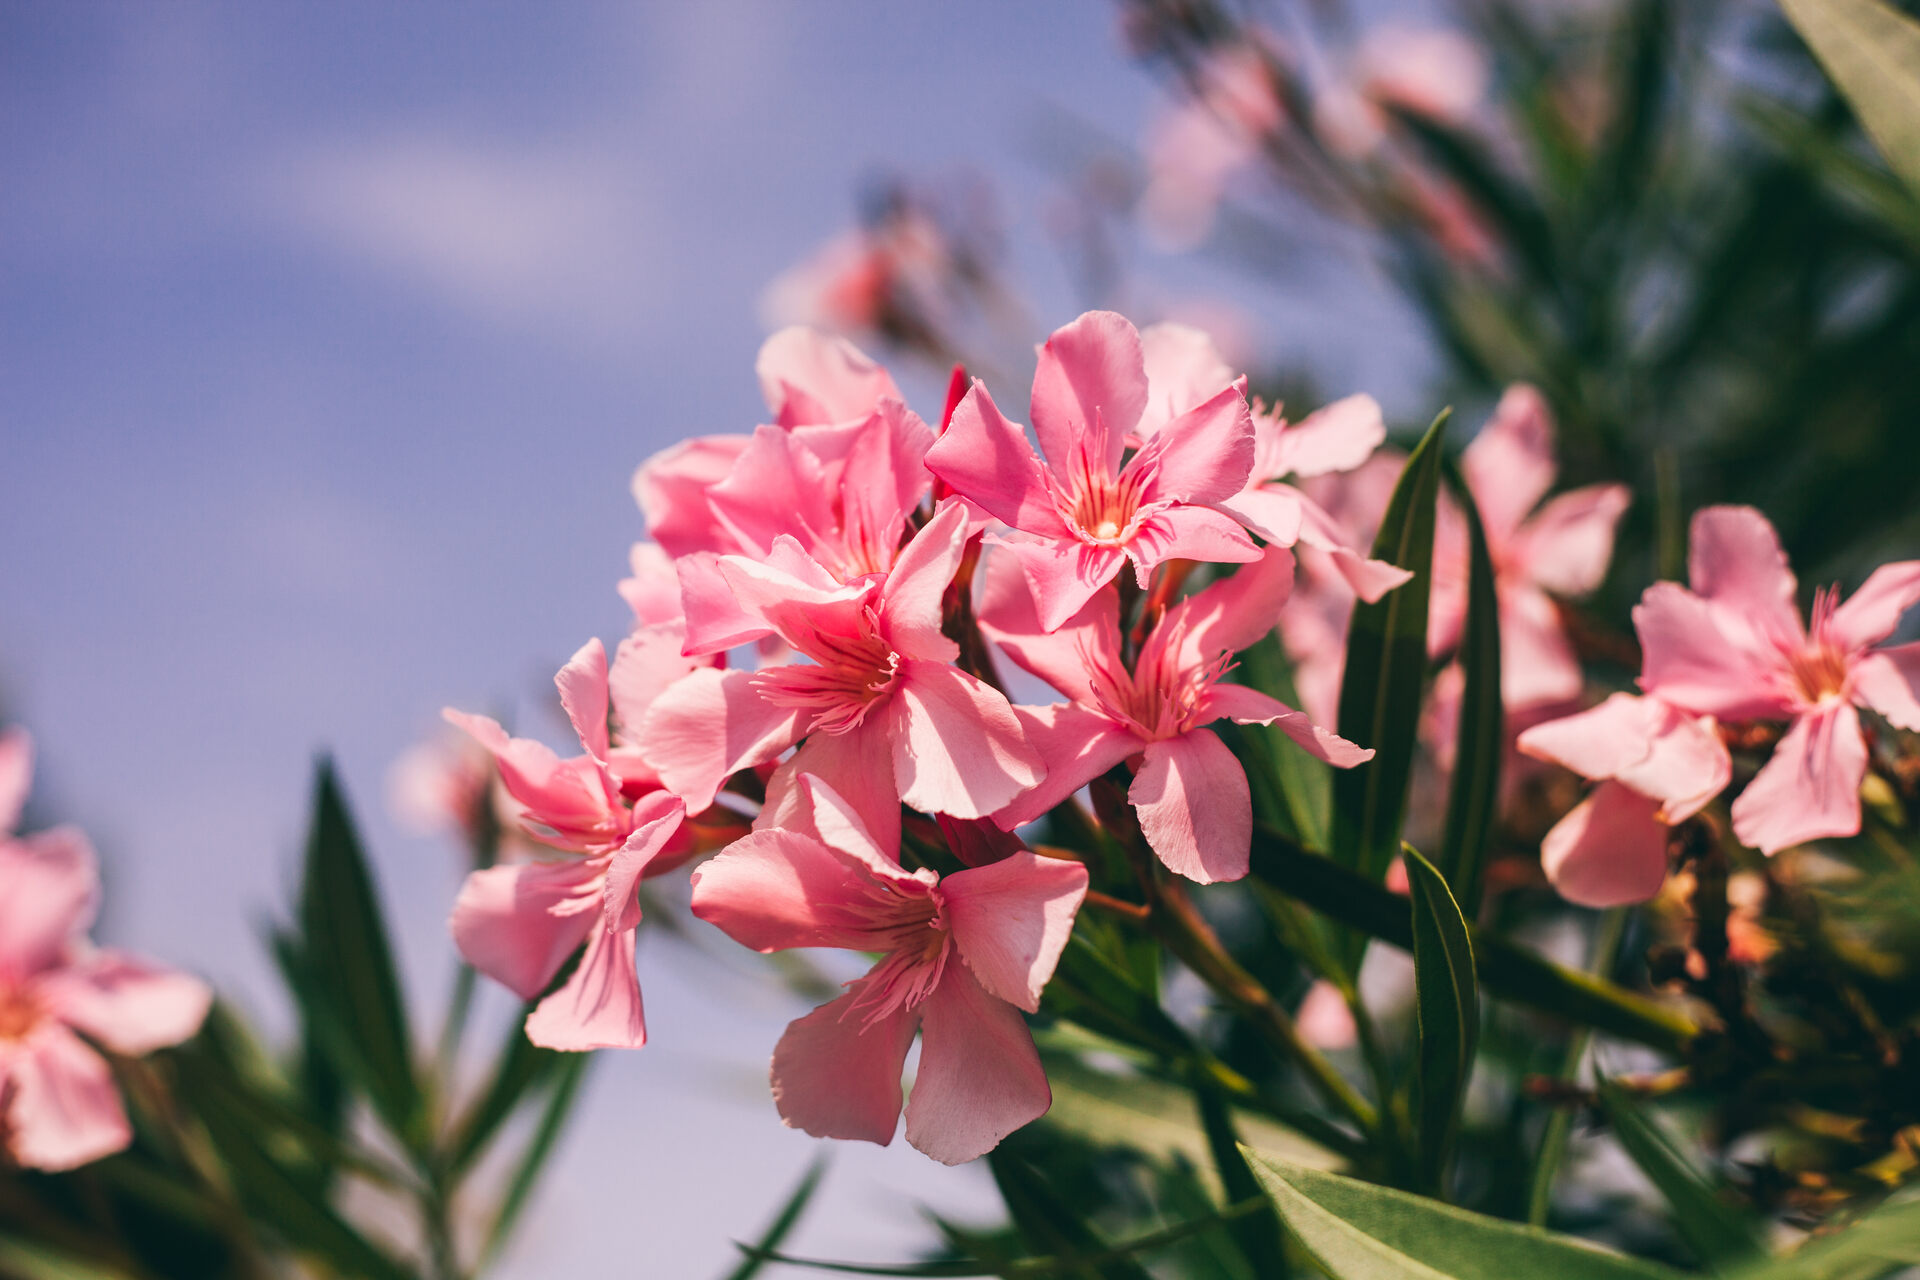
x=49 y=889
x=1601 y=742
x=885 y=478
x=1089 y=390
x=1183 y=369
x=1369 y=579
x=1336 y=437
x=715 y=619
x=1191 y=533
x=16 y=777
x=910 y=603
x=1078 y=745
x=1697 y=659
x=771 y=890
x=1270 y=510
x=857 y=766
x=671 y=488
x=1568 y=543
x=1233 y=613
x=599 y=1007
x=570 y=797
x=1324 y=1018
x=1734 y=559
x=980 y=1077
x=710 y=725
x=795 y=593
x=837 y=1076
x=957 y=747
x=1509 y=466
x=1063 y=577
x=1011 y=919
x=1687 y=767
x=1249 y=706
x=644 y=665
x=1007 y=616
x=777 y=486
x=65 y=1110
x=1204 y=455
x=1811 y=786
x=518 y=924
x=988 y=459
x=1610 y=850
x=128 y=1004
x=1889 y=682
x=583 y=696
x=1872 y=613
x=653 y=590
x=1537 y=664
x=808 y=377
x=657 y=819
x=1194 y=807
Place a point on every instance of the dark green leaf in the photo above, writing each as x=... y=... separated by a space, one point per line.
x=24 y=1259
x=566 y=1089
x=1357 y=1231
x=1872 y=51
x=759 y=1254
x=1721 y=1234
x=1258 y=1236
x=1386 y=670
x=1050 y=1224
x=1880 y=1241
x=521 y=1067
x=1285 y=778
x=1448 y=1009
x=1480 y=743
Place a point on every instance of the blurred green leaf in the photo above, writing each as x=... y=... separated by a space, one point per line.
x=1285 y=779
x=1722 y=1235
x=1386 y=671
x=23 y=1259
x=1878 y=1242
x=567 y=1078
x=1480 y=743
x=1258 y=1236
x=1357 y=1231
x=759 y=1253
x=1872 y=52
x=520 y=1067
x=1447 y=1007
x=347 y=964
x=1050 y=1224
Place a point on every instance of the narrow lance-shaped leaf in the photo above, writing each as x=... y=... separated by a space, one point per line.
x=1872 y=51
x=1473 y=795
x=1050 y=1224
x=567 y=1078
x=1879 y=1241
x=1447 y=1007
x=1357 y=1231
x=521 y=1068
x=759 y=1253
x=1721 y=1234
x=1386 y=670
x=1258 y=1237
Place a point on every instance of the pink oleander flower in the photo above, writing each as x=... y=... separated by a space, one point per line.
x=1081 y=515
x=884 y=714
x=1194 y=149
x=1184 y=370
x=1188 y=789
x=59 y=1107
x=1560 y=549
x=1438 y=74
x=1325 y=1019
x=438 y=786
x=518 y=923
x=961 y=956
x=1656 y=766
x=1734 y=647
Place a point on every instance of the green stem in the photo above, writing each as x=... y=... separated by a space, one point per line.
x=1553 y=1143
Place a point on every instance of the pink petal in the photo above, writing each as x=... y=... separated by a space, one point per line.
x=1370 y=579
x=128 y=1004
x=1325 y=1019
x=653 y=592
x=1811 y=786
x=772 y=890
x=980 y=1077
x=1063 y=576
x=1233 y=613
x=957 y=747
x=16 y=777
x=710 y=725
x=1007 y=616
x=1872 y=613
x=1194 y=806
x=1509 y=466
x=977 y=842
x=1537 y=664
x=777 y=486
x=1270 y=510
x=1191 y=533
x=1734 y=559
x=1204 y=455
x=657 y=819
x=1696 y=658
x=65 y=1111
x=1011 y=919
x=573 y=798
x=1567 y=545
x=836 y=1076
x=715 y=619
x=1089 y=390
x=1078 y=745
x=885 y=478
x=910 y=603
x=49 y=889
x=1601 y=742
x=987 y=458
x=583 y=695
x=599 y=1007
x=1889 y=682
x=857 y=766
x=795 y=593
x=1183 y=369
x=1687 y=767
x=518 y=924
x=1249 y=706
x=671 y=488
x=644 y=665
x=1609 y=851
x=1336 y=437
x=808 y=376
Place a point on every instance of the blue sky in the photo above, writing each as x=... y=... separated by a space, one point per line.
x=329 y=338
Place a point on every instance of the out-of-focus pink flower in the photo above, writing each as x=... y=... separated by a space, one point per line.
x=1196 y=147
x=1324 y=1020
x=518 y=923
x=885 y=714
x=436 y=787
x=1656 y=766
x=860 y=279
x=1439 y=74
x=1734 y=647
x=1561 y=549
x=960 y=958
x=1189 y=791
x=58 y=1104
x=1080 y=515
x=1184 y=370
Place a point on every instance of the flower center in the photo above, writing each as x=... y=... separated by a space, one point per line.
x=1160 y=697
x=20 y=1013
x=916 y=935
x=1819 y=671
x=848 y=676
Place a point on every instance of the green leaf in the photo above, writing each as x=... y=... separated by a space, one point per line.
x=1480 y=743
x=1283 y=776
x=1447 y=1006
x=759 y=1254
x=1872 y=52
x=1050 y=1224
x=1357 y=1231
x=1879 y=1240
x=1719 y=1233
x=347 y=962
x=1386 y=671
x=24 y=1259
x=522 y=1067
x=566 y=1089
x=1258 y=1237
